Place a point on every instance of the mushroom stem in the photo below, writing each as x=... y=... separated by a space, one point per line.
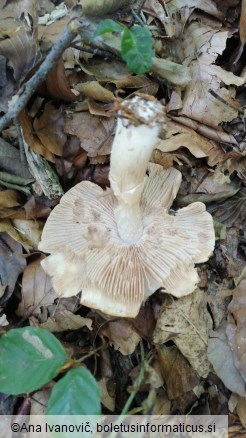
x=139 y=123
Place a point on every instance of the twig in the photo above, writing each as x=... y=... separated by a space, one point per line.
x=136 y=13
x=20 y=140
x=29 y=87
x=95 y=51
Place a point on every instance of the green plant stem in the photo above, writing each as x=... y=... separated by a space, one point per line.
x=137 y=382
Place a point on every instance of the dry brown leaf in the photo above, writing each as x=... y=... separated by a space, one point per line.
x=10 y=160
x=178 y=375
x=232 y=210
x=121 y=335
x=242 y=24
x=187 y=322
x=48 y=35
x=57 y=83
x=235 y=329
x=205 y=99
x=31 y=139
x=178 y=136
x=221 y=357
x=62 y=320
x=106 y=399
x=95 y=138
x=49 y=128
x=142 y=83
x=20 y=235
x=94 y=90
x=22 y=51
x=162 y=404
x=36 y=289
x=217 y=135
x=99 y=7
x=12 y=262
x=29 y=230
x=106 y=70
x=8 y=199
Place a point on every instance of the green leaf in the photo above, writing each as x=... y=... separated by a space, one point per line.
x=136 y=49
x=29 y=358
x=106 y=26
x=75 y=394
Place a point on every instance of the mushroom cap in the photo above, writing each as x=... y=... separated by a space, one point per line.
x=115 y=277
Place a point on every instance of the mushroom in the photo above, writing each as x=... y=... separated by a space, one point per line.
x=119 y=246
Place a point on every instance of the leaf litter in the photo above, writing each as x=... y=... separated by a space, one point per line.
x=193 y=344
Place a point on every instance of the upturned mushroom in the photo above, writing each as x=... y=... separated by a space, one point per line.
x=117 y=247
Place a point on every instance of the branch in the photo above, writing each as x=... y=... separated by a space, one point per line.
x=29 y=87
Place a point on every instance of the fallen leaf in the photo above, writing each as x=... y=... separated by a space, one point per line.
x=31 y=139
x=10 y=160
x=205 y=99
x=221 y=357
x=23 y=53
x=235 y=329
x=232 y=210
x=63 y=320
x=12 y=263
x=178 y=375
x=57 y=83
x=176 y=74
x=29 y=231
x=95 y=138
x=178 y=136
x=121 y=335
x=49 y=128
x=36 y=289
x=106 y=399
x=8 y=199
x=186 y=322
x=94 y=90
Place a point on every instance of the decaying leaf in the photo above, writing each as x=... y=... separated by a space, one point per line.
x=94 y=90
x=24 y=231
x=232 y=210
x=31 y=139
x=10 y=160
x=205 y=99
x=121 y=335
x=178 y=375
x=12 y=262
x=102 y=7
x=23 y=53
x=235 y=329
x=186 y=322
x=178 y=136
x=107 y=400
x=221 y=357
x=61 y=321
x=57 y=83
x=36 y=289
x=172 y=72
x=49 y=129
x=93 y=139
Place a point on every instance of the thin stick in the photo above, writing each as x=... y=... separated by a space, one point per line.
x=29 y=87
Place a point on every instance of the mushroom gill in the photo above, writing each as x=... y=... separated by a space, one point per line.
x=97 y=247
